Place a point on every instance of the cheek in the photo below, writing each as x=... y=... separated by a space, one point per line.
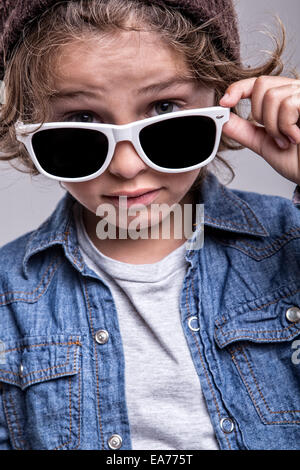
x=77 y=189
x=85 y=193
x=86 y=188
x=182 y=182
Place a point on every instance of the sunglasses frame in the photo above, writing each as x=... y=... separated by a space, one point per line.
x=125 y=132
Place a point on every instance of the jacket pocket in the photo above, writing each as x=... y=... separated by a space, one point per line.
x=40 y=378
x=263 y=345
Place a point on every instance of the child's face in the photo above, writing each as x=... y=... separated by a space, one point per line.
x=119 y=80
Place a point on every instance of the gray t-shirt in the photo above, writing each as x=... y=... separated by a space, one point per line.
x=165 y=404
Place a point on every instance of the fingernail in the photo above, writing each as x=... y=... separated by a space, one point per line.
x=292 y=140
x=225 y=97
x=281 y=143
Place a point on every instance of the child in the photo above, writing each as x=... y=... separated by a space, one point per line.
x=147 y=342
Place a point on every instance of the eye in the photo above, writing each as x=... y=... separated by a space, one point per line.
x=164 y=107
x=83 y=116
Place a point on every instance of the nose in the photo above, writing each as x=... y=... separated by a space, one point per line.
x=126 y=163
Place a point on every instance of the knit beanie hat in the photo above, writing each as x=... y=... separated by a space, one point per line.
x=14 y=14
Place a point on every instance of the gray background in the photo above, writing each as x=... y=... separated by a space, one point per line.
x=25 y=202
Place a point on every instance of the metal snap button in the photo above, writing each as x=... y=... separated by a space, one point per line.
x=21 y=369
x=190 y=320
x=293 y=314
x=115 y=441
x=101 y=336
x=227 y=425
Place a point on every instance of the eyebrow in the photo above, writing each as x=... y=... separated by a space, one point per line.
x=157 y=87
x=153 y=88
x=63 y=94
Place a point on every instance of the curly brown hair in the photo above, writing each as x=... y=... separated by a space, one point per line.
x=30 y=77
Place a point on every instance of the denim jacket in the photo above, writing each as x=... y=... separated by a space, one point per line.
x=61 y=387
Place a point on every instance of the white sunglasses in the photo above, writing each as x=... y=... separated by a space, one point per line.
x=170 y=143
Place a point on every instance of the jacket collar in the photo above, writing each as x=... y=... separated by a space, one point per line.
x=223 y=210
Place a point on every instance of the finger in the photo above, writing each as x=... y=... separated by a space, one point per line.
x=254 y=137
x=288 y=118
x=237 y=91
x=272 y=101
x=263 y=87
x=254 y=88
x=245 y=133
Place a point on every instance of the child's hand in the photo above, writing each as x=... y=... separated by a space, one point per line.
x=275 y=103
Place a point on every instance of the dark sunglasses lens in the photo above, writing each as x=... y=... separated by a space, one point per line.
x=179 y=142
x=70 y=153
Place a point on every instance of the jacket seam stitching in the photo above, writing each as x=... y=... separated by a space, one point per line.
x=70 y=407
x=259 y=389
x=62 y=237
x=202 y=363
x=37 y=288
x=12 y=432
x=220 y=221
x=259 y=308
x=96 y=365
x=247 y=386
x=70 y=412
x=43 y=379
x=229 y=196
x=69 y=343
x=220 y=224
x=253 y=399
x=42 y=370
x=38 y=371
x=272 y=245
x=257 y=340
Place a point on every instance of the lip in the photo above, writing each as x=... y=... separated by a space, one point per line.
x=141 y=196
x=137 y=193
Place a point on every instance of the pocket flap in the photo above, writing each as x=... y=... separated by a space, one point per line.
x=263 y=320
x=38 y=358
